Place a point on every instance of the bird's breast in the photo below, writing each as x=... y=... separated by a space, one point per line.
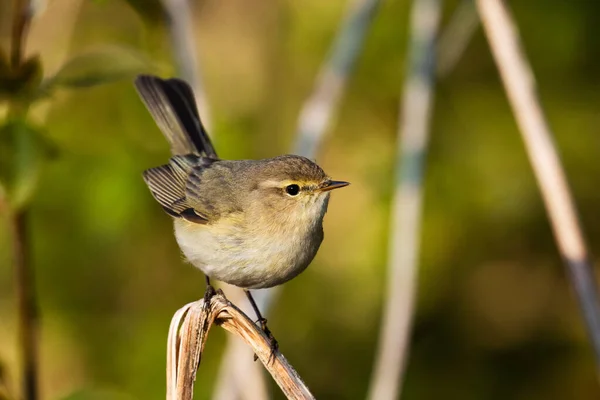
x=251 y=254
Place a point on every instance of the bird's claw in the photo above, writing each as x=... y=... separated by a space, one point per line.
x=274 y=346
x=208 y=294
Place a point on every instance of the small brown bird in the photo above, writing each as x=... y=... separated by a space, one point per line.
x=250 y=223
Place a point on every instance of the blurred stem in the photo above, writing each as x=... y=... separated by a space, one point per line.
x=413 y=133
x=455 y=38
x=27 y=304
x=178 y=14
x=22 y=14
x=320 y=108
x=519 y=83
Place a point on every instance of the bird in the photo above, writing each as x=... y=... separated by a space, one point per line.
x=250 y=223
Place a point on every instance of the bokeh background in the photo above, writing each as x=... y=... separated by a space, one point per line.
x=496 y=316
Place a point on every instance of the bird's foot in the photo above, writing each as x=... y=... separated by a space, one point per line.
x=208 y=294
x=274 y=346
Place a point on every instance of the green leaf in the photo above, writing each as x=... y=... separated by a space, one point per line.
x=104 y=65
x=23 y=148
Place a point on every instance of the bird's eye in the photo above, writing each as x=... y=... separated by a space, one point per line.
x=292 y=190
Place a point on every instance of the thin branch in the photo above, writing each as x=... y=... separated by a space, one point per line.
x=22 y=13
x=519 y=83
x=239 y=377
x=178 y=14
x=186 y=345
x=320 y=108
x=27 y=304
x=455 y=38
x=413 y=132
x=25 y=288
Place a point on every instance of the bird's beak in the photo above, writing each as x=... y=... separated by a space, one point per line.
x=330 y=185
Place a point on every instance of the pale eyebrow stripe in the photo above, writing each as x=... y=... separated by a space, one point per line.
x=272 y=183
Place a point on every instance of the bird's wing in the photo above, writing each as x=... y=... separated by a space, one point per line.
x=172 y=105
x=168 y=183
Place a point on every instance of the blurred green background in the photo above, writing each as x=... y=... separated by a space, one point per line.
x=496 y=317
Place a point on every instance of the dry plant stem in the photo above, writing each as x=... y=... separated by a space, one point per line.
x=172 y=347
x=286 y=377
x=23 y=12
x=456 y=37
x=404 y=240
x=193 y=335
x=240 y=378
x=28 y=312
x=519 y=83
x=178 y=14
x=320 y=108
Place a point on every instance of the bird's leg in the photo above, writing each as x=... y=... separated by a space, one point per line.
x=263 y=325
x=208 y=294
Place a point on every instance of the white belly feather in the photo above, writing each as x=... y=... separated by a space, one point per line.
x=250 y=259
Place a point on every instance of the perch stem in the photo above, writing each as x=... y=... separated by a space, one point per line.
x=519 y=83
x=185 y=347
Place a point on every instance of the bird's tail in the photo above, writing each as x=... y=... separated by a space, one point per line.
x=172 y=105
